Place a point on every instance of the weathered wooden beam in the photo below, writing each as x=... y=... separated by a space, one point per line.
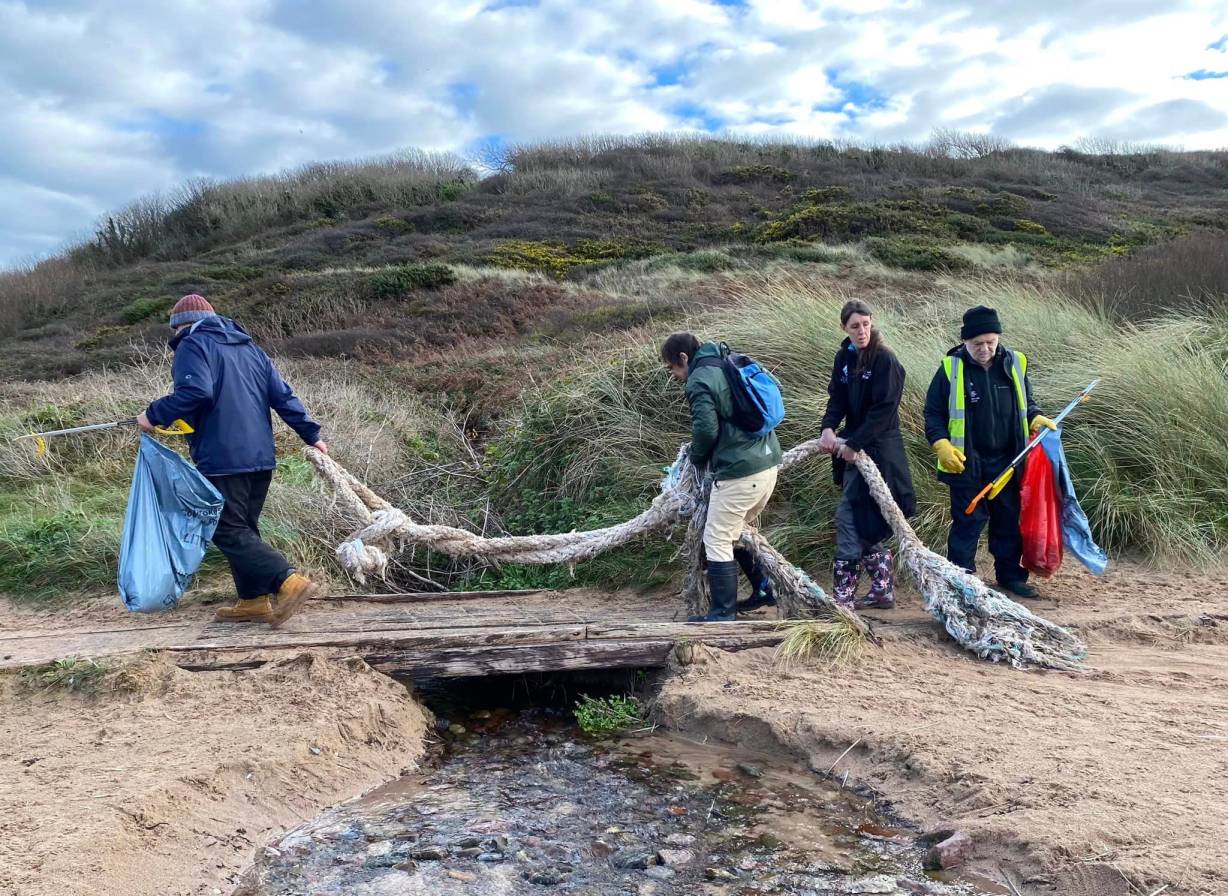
x=467 y=662
x=437 y=660
x=366 y=641
x=414 y=597
x=686 y=631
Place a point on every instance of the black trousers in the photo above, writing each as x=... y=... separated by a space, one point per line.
x=257 y=568
x=1002 y=514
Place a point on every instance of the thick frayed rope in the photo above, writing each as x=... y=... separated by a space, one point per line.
x=982 y=620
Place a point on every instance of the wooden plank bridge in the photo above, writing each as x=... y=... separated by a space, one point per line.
x=414 y=635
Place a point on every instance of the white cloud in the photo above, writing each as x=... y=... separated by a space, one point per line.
x=101 y=103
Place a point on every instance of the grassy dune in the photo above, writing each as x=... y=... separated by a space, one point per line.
x=483 y=351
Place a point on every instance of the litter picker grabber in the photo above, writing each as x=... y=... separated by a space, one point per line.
x=178 y=428
x=995 y=488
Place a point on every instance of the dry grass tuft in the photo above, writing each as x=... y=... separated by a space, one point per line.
x=834 y=643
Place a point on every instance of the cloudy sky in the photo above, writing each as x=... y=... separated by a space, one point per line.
x=103 y=101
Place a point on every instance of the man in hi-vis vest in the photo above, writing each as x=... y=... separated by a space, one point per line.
x=979 y=414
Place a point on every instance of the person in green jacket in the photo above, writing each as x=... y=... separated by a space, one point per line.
x=743 y=468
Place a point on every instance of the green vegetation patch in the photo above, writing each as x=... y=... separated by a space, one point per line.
x=71 y=675
x=392 y=225
x=709 y=261
x=234 y=273
x=915 y=255
x=558 y=259
x=397 y=281
x=69 y=549
x=145 y=307
x=842 y=222
x=607 y=715
x=742 y=174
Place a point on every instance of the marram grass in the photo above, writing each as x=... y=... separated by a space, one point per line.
x=831 y=643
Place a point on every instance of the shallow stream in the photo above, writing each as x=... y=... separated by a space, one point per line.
x=520 y=801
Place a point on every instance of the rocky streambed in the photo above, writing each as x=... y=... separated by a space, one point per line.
x=521 y=801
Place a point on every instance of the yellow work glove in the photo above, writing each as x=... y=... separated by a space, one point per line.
x=1039 y=420
x=951 y=458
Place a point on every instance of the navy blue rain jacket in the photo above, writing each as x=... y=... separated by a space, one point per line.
x=225 y=386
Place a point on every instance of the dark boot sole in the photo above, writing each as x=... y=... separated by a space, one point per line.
x=873 y=605
x=747 y=606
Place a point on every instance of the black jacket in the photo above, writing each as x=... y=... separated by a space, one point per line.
x=869 y=404
x=992 y=426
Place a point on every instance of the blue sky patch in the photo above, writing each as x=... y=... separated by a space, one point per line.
x=152 y=121
x=487 y=142
x=464 y=96
x=668 y=75
x=861 y=95
x=1221 y=44
x=694 y=112
x=1205 y=75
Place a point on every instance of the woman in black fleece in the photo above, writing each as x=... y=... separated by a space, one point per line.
x=867 y=381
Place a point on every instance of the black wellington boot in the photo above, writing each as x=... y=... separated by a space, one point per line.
x=761 y=592
x=723 y=584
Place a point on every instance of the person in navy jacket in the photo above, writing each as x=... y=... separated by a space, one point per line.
x=225 y=387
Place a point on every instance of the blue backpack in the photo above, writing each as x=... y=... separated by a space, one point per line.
x=758 y=406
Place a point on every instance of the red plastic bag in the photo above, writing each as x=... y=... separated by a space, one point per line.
x=1040 y=519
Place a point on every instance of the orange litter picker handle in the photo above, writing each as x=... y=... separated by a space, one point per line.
x=977 y=500
x=995 y=488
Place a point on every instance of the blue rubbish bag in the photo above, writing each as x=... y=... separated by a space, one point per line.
x=1076 y=530
x=172 y=513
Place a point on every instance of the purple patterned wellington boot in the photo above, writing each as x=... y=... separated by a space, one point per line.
x=844 y=575
x=877 y=564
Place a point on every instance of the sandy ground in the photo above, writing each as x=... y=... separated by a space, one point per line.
x=1075 y=781
x=167 y=781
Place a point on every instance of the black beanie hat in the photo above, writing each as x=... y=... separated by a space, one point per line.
x=978 y=321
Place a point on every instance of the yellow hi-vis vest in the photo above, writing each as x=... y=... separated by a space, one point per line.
x=957 y=418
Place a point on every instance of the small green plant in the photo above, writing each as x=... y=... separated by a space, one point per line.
x=293 y=470
x=397 y=281
x=52 y=416
x=71 y=674
x=607 y=715
x=835 y=643
x=142 y=308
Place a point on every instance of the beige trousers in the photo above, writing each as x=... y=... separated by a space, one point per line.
x=734 y=503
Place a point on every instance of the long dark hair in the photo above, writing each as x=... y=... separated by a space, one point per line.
x=865 y=356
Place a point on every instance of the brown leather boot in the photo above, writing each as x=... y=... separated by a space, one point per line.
x=295 y=591
x=253 y=609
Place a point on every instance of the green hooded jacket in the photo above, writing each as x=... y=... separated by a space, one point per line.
x=729 y=452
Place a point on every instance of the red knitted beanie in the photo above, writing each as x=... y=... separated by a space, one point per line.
x=190 y=309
